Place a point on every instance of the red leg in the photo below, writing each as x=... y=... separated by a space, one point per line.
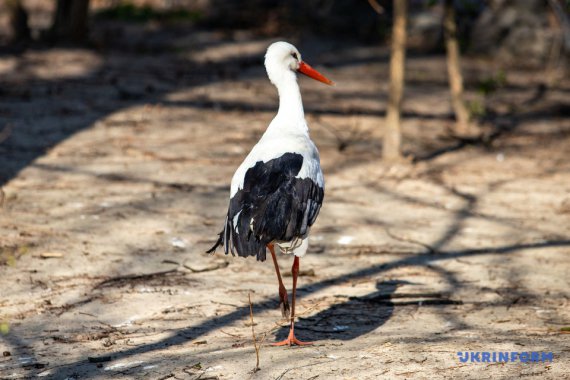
x=284 y=299
x=291 y=339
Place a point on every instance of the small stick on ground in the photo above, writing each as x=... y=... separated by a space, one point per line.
x=377 y=7
x=253 y=335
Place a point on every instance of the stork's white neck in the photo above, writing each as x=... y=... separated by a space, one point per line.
x=291 y=115
x=290 y=102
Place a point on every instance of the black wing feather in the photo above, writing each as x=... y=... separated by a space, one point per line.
x=273 y=205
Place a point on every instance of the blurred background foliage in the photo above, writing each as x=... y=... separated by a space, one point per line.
x=518 y=32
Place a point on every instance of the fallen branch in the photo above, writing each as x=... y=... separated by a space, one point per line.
x=303 y=366
x=230 y=334
x=207 y=268
x=120 y=280
x=429 y=248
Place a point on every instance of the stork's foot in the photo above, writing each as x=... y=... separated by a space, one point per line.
x=291 y=341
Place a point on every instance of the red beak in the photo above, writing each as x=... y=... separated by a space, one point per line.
x=312 y=73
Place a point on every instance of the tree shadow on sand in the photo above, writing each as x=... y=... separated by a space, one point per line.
x=351 y=318
x=358 y=316
x=366 y=313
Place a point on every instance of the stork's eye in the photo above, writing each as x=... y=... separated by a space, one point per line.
x=294 y=55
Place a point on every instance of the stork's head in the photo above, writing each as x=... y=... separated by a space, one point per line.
x=282 y=60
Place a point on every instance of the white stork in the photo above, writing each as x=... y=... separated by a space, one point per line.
x=277 y=191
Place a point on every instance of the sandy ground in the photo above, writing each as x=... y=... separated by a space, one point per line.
x=115 y=172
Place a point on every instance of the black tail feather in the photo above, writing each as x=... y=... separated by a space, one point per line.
x=218 y=243
x=233 y=242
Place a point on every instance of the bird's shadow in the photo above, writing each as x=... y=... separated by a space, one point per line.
x=349 y=319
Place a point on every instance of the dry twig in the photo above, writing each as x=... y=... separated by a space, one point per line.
x=6 y=132
x=377 y=7
x=428 y=247
x=207 y=268
x=253 y=335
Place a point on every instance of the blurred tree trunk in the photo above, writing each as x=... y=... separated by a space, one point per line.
x=70 y=21
x=391 y=150
x=18 y=20
x=463 y=126
x=556 y=66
